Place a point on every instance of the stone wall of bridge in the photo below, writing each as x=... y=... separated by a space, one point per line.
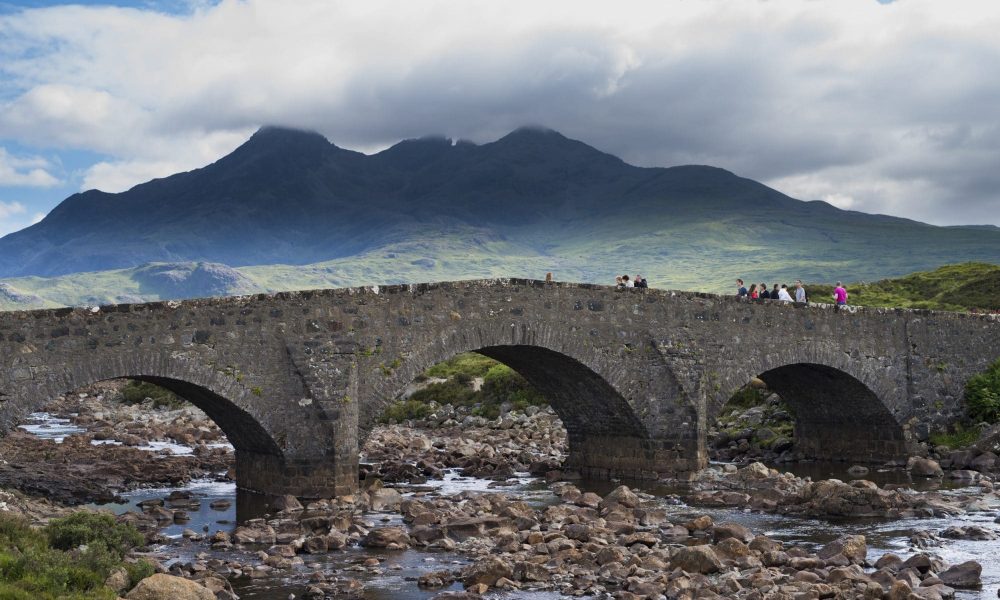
x=296 y=380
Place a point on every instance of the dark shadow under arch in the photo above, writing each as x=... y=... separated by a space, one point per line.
x=837 y=416
x=587 y=404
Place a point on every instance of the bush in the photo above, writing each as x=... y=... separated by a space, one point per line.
x=468 y=365
x=33 y=567
x=93 y=529
x=449 y=392
x=748 y=397
x=136 y=392
x=502 y=384
x=138 y=571
x=982 y=395
x=404 y=410
x=960 y=437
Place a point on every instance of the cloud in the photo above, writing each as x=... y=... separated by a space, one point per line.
x=24 y=172
x=11 y=217
x=878 y=107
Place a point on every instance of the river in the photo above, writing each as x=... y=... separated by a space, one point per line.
x=395 y=577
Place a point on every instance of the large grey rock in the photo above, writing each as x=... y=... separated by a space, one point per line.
x=966 y=575
x=168 y=587
x=923 y=467
x=696 y=559
x=853 y=547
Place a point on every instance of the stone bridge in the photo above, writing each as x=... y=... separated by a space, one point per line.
x=296 y=380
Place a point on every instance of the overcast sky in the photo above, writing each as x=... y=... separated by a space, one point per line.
x=890 y=107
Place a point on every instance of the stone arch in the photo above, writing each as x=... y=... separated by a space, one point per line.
x=613 y=423
x=227 y=402
x=837 y=415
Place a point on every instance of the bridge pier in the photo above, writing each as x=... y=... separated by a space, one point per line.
x=608 y=456
x=306 y=477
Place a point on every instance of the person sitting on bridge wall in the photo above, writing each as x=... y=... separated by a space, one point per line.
x=741 y=290
x=783 y=295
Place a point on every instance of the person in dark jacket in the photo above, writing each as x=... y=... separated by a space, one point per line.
x=764 y=294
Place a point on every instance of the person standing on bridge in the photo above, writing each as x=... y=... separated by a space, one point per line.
x=741 y=289
x=800 y=292
x=783 y=295
x=840 y=294
x=753 y=291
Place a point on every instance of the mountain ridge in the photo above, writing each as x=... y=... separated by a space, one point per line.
x=454 y=209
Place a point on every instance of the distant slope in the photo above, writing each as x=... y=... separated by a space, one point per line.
x=291 y=210
x=953 y=287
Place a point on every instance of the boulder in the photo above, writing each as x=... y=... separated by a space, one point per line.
x=287 y=503
x=966 y=575
x=621 y=495
x=726 y=530
x=923 y=467
x=168 y=587
x=392 y=538
x=486 y=572
x=853 y=547
x=696 y=559
x=385 y=499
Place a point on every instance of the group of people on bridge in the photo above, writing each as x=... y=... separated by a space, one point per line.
x=623 y=281
x=780 y=294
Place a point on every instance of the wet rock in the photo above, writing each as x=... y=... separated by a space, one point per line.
x=391 y=538
x=486 y=571
x=620 y=495
x=168 y=587
x=385 y=499
x=287 y=503
x=727 y=530
x=923 y=467
x=970 y=532
x=256 y=531
x=964 y=576
x=696 y=559
x=436 y=579
x=853 y=547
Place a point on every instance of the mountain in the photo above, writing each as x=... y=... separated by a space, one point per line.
x=288 y=209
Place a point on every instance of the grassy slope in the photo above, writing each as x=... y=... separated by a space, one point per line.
x=952 y=287
x=694 y=266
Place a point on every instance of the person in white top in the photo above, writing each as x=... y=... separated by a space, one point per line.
x=783 y=294
x=628 y=282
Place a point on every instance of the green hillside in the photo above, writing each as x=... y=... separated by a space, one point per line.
x=953 y=287
x=967 y=286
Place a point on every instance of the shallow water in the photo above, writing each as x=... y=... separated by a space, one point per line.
x=396 y=576
x=49 y=427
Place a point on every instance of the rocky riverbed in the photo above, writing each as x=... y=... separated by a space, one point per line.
x=459 y=506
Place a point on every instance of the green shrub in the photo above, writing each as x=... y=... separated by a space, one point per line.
x=748 y=397
x=93 y=529
x=33 y=567
x=982 y=395
x=138 y=571
x=960 y=437
x=449 y=392
x=404 y=410
x=503 y=384
x=469 y=365
x=136 y=392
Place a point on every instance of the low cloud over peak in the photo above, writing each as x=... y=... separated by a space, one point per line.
x=870 y=106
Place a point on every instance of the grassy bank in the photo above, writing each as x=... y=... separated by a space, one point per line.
x=71 y=557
